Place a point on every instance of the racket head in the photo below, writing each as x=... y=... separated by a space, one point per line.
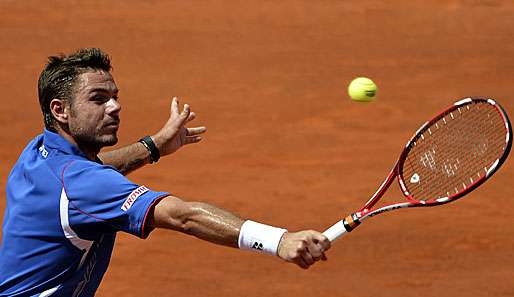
x=455 y=152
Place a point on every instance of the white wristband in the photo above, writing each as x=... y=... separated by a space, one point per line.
x=259 y=237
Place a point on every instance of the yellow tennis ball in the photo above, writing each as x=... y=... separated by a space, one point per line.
x=362 y=89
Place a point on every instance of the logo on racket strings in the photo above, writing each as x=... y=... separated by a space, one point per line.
x=414 y=179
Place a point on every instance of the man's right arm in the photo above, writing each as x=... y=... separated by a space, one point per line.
x=219 y=226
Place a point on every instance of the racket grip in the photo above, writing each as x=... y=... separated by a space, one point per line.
x=343 y=226
x=337 y=230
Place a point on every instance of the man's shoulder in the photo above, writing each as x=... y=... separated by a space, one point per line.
x=86 y=172
x=32 y=146
x=76 y=164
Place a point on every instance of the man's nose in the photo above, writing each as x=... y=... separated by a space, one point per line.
x=113 y=106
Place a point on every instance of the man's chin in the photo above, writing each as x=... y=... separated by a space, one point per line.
x=110 y=141
x=106 y=140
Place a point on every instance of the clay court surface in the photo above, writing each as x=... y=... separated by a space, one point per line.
x=285 y=146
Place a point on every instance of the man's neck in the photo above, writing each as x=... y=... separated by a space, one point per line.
x=90 y=152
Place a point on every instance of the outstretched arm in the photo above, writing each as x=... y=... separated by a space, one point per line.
x=169 y=139
x=219 y=226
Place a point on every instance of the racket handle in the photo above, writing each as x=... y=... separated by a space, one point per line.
x=343 y=226
x=336 y=231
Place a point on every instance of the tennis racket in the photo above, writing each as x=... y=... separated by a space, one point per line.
x=448 y=157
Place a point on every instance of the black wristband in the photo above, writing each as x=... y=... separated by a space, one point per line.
x=150 y=146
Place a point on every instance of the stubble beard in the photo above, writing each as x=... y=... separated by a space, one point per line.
x=94 y=140
x=91 y=138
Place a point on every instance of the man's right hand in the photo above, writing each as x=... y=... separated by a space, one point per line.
x=303 y=248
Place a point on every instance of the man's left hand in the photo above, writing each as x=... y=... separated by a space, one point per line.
x=174 y=134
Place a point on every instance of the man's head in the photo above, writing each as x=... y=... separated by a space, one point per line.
x=78 y=97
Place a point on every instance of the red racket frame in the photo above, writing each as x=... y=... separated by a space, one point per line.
x=350 y=222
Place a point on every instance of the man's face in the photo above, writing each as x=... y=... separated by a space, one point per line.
x=94 y=112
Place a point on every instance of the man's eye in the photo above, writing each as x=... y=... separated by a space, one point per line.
x=100 y=98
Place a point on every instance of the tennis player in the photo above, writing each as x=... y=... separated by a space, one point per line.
x=66 y=202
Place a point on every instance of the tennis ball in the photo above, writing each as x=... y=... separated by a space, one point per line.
x=362 y=89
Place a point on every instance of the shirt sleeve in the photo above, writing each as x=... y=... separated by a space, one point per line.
x=100 y=199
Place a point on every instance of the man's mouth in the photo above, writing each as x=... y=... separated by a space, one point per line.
x=113 y=124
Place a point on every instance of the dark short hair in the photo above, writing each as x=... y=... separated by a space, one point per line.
x=58 y=78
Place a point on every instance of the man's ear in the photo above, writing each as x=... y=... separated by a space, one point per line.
x=59 y=110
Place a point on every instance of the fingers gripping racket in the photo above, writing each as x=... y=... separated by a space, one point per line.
x=448 y=157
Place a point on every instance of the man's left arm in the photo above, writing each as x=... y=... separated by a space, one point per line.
x=169 y=139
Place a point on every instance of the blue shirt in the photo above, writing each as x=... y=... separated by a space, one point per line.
x=62 y=215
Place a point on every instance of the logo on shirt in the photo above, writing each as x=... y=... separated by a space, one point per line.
x=43 y=151
x=133 y=196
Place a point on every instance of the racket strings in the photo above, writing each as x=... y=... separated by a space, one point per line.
x=454 y=151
